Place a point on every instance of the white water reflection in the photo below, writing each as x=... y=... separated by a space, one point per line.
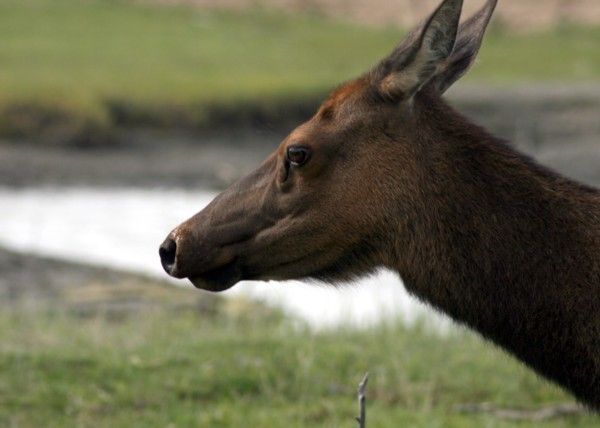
x=123 y=227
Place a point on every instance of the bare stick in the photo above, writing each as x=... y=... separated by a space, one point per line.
x=362 y=401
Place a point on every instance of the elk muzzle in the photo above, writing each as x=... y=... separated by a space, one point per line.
x=210 y=247
x=206 y=263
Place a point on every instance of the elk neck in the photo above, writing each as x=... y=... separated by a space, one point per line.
x=505 y=246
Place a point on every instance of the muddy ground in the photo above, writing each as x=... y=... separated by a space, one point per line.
x=145 y=158
x=29 y=282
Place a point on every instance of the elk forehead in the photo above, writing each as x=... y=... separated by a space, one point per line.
x=343 y=95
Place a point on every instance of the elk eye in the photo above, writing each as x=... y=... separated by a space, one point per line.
x=298 y=155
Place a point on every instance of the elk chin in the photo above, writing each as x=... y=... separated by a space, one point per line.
x=219 y=279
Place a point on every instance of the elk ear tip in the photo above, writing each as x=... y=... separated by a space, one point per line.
x=426 y=52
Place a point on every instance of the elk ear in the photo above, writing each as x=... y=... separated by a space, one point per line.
x=419 y=58
x=470 y=36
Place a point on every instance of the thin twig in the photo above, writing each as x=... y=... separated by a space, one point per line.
x=362 y=402
x=535 y=415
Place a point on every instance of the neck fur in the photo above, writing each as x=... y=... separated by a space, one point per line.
x=511 y=249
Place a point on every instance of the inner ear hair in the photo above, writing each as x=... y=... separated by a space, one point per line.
x=469 y=39
x=410 y=67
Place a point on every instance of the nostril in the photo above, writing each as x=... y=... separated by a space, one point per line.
x=167 y=252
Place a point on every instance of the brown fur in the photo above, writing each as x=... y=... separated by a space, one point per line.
x=508 y=248
x=400 y=180
x=339 y=96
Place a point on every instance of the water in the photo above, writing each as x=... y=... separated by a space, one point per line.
x=122 y=228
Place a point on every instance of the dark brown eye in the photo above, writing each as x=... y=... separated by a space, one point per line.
x=298 y=155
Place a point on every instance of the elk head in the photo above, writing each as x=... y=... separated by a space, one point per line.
x=339 y=194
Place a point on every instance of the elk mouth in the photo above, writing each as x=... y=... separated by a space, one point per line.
x=218 y=279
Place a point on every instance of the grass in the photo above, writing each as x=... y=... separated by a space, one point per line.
x=80 y=59
x=247 y=366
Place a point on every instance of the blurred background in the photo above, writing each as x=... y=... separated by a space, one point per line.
x=119 y=119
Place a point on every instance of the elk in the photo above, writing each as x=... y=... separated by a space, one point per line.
x=387 y=174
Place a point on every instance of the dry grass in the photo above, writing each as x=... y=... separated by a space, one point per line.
x=523 y=15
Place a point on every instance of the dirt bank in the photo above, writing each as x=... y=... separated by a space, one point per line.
x=52 y=125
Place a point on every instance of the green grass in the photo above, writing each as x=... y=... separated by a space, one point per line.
x=161 y=368
x=75 y=57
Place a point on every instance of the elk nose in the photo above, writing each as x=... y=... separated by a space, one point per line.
x=167 y=252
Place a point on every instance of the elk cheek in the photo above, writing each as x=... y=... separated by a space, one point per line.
x=284 y=173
